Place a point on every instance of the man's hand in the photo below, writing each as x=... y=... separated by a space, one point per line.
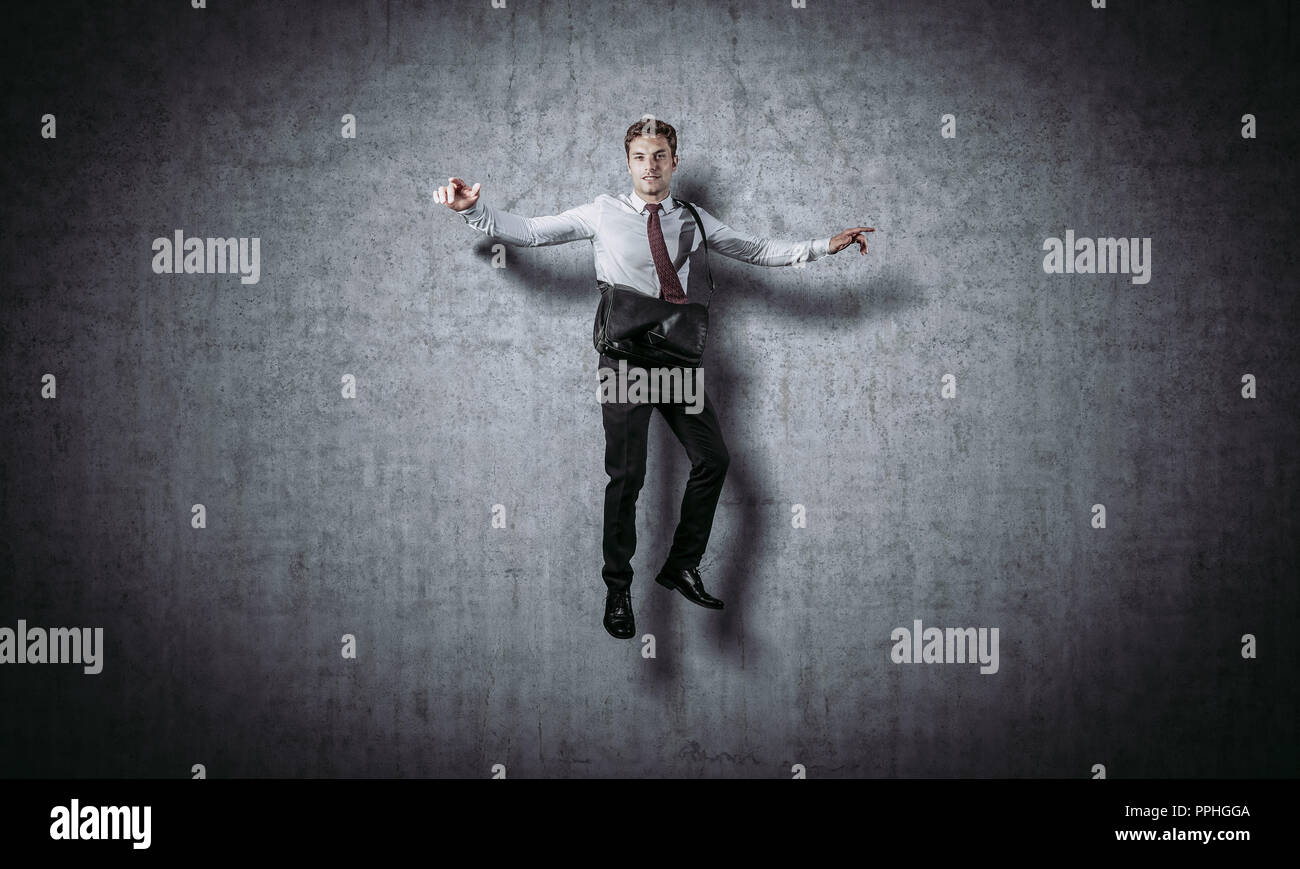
x=847 y=237
x=457 y=195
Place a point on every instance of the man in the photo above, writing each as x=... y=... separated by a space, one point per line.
x=631 y=234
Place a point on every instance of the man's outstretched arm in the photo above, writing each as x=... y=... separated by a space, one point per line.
x=572 y=225
x=776 y=252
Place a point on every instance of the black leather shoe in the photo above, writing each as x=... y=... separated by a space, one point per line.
x=687 y=581
x=619 y=620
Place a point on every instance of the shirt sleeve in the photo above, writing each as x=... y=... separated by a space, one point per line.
x=573 y=225
x=760 y=251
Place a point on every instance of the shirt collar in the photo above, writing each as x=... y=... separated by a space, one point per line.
x=639 y=204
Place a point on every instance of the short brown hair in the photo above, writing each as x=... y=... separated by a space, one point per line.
x=651 y=127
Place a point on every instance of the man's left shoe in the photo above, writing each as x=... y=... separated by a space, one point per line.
x=687 y=581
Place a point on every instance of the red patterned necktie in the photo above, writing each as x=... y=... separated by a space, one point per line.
x=670 y=287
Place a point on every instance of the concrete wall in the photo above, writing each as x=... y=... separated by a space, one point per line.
x=371 y=516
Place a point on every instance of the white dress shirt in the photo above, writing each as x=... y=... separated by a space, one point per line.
x=617 y=228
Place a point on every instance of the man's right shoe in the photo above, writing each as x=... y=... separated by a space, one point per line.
x=619 y=620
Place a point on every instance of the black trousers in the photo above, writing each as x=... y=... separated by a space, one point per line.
x=626 y=428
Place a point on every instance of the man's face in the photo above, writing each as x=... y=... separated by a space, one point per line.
x=649 y=161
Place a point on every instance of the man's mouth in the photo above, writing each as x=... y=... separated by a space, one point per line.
x=651 y=177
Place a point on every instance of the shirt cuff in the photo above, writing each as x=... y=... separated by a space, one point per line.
x=473 y=211
x=821 y=247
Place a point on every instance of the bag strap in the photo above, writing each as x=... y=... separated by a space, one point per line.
x=705 y=240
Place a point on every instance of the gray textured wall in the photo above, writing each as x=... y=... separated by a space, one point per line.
x=371 y=516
